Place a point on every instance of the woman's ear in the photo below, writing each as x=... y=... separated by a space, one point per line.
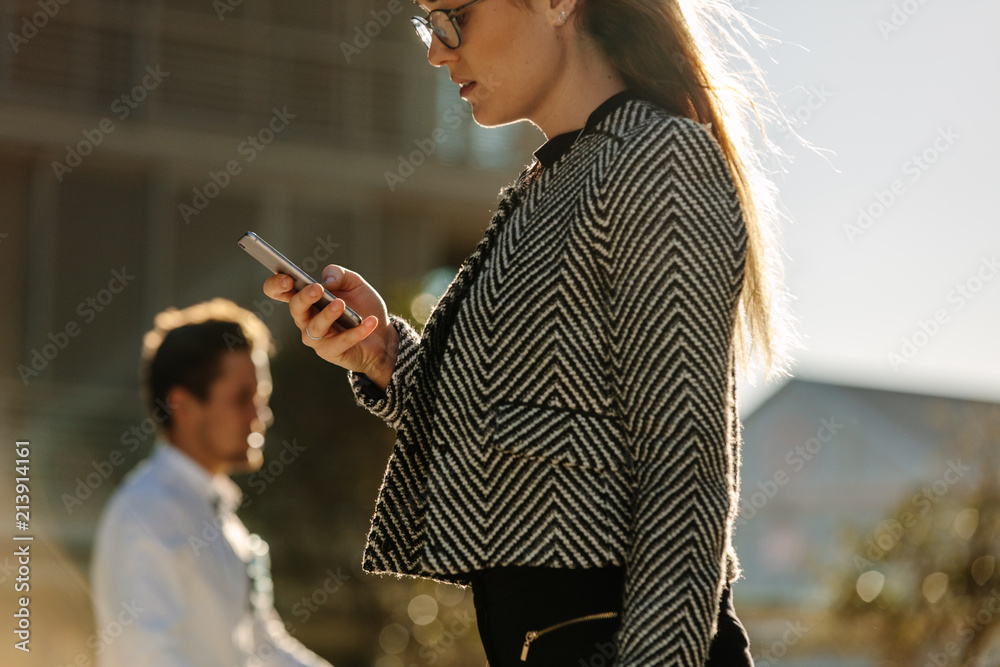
x=561 y=10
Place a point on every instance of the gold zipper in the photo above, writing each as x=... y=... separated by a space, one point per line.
x=532 y=635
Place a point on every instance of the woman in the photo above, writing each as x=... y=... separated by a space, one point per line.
x=567 y=434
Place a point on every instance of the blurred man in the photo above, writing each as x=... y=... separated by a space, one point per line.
x=174 y=567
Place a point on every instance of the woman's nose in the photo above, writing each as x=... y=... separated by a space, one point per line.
x=438 y=54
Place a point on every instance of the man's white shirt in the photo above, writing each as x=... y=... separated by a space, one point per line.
x=172 y=568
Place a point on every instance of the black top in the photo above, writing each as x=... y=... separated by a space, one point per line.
x=559 y=145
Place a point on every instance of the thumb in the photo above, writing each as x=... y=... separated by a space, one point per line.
x=338 y=278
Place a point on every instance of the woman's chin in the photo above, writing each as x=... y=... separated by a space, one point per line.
x=485 y=117
x=483 y=112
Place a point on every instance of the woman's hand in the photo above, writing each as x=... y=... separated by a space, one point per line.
x=368 y=348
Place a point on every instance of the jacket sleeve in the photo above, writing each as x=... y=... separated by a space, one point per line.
x=388 y=404
x=675 y=249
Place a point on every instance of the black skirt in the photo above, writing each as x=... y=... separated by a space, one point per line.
x=572 y=617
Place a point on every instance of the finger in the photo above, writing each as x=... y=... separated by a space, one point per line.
x=300 y=305
x=342 y=342
x=337 y=278
x=333 y=274
x=279 y=287
x=320 y=325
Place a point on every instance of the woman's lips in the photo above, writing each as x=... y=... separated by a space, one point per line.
x=466 y=89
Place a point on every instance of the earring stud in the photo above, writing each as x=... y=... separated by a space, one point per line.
x=562 y=17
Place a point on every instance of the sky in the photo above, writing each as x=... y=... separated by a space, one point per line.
x=892 y=246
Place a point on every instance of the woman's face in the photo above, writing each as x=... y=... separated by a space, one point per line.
x=509 y=62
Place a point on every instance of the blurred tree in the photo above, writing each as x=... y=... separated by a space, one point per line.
x=926 y=581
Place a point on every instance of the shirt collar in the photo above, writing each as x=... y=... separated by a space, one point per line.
x=553 y=149
x=218 y=491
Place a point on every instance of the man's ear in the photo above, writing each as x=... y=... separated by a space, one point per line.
x=183 y=406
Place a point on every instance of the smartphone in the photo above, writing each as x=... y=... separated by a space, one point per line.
x=262 y=251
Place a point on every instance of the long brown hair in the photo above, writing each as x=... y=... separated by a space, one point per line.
x=679 y=54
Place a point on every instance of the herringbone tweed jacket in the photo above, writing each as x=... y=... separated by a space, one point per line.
x=571 y=402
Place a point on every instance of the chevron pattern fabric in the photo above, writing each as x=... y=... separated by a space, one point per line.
x=571 y=402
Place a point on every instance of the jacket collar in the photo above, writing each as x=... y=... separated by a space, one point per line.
x=553 y=149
